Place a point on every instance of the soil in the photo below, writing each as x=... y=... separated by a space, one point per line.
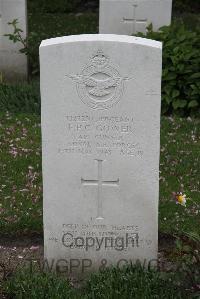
x=16 y=252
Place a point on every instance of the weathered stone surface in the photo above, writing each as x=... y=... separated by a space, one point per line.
x=100 y=138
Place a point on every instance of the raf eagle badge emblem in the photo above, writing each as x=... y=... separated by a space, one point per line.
x=99 y=85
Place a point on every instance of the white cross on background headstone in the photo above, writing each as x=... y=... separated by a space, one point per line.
x=134 y=20
x=127 y=17
x=99 y=183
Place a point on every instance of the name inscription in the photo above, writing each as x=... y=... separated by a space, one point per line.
x=103 y=135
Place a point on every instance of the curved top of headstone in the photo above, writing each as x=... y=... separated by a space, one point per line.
x=101 y=37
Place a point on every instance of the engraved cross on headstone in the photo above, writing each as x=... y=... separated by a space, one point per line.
x=134 y=20
x=99 y=183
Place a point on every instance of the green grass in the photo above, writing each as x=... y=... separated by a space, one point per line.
x=20 y=168
x=179 y=171
x=131 y=282
x=35 y=285
x=115 y=283
x=21 y=180
x=24 y=97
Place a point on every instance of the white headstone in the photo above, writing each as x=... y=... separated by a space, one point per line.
x=132 y=16
x=13 y=64
x=101 y=98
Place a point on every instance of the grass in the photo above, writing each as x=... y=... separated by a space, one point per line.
x=20 y=168
x=35 y=285
x=19 y=98
x=131 y=282
x=21 y=179
x=115 y=283
x=179 y=171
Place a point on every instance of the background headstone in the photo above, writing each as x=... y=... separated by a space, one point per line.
x=13 y=64
x=132 y=16
x=100 y=138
